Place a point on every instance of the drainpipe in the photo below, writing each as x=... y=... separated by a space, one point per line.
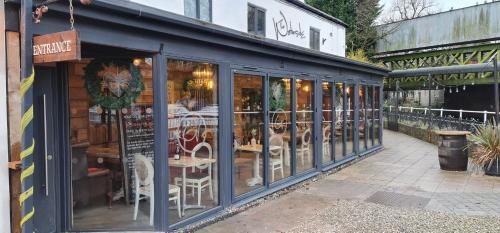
x=495 y=77
x=27 y=140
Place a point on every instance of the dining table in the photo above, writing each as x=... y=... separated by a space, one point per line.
x=257 y=150
x=185 y=162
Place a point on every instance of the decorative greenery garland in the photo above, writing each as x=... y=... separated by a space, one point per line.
x=280 y=103
x=93 y=83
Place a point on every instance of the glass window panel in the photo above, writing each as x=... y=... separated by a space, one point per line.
x=362 y=115
x=205 y=10
x=190 y=8
x=370 y=115
x=376 y=116
x=327 y=121
x=305 y=127
x=112 y=152
x=280 y=141
x=248 y=132
x=350 y=119
x=193 y=120
x=251 y=19
x=314 y=38
x=339 y=121
x=261 y=22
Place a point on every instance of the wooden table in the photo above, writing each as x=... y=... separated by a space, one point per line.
x=186 y=162
x=103 y=151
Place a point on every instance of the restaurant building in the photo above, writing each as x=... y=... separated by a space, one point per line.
x=167 y=120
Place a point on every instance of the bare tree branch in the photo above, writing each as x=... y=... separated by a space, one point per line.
x=409 y=9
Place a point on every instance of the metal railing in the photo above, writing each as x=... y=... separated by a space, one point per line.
x=439 y=118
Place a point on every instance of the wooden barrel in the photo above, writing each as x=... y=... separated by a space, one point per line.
x=451 y=150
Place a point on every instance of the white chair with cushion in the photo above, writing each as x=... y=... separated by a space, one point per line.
x=304 y=149
x=202 y=178
x=144 y=185
x=276 y=155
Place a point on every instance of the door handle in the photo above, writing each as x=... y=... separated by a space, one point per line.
x=47 y=156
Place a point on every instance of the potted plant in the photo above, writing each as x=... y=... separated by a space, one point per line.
x=484 y=145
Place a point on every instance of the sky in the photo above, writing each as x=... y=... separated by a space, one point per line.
x=443 y=5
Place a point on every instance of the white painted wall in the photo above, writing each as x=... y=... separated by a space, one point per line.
x=233 y=14
x=4 y=134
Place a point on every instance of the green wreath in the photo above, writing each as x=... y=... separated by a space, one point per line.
x=93 y=83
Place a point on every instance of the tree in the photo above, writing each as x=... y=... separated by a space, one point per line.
x=409 y=9
x=364 y=34
x=359 y=15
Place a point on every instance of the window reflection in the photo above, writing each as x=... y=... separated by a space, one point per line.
x=327 y=121
x=280 y=141
x=376 y=116
x=339 y=121
x=305 y=115
x=362 y=115
x=112 y=150
x=193 y=117
x=248 y=132
x=370 y=113
x=350 y=118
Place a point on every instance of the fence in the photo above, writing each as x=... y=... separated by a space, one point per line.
x=439 y=118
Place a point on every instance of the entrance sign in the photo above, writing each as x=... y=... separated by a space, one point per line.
x=60 y=46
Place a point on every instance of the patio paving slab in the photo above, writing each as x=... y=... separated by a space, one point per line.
x=424 y=198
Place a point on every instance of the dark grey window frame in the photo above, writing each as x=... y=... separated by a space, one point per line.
x=333 y=119
x=256 y=21
x=198 y=11
x=314 y=43
x=222 y=138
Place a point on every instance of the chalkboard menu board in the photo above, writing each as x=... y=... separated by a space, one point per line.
x=137 y=135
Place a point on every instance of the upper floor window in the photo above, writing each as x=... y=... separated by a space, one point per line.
x=198 y=9
x=256 y=20
x=314 y=38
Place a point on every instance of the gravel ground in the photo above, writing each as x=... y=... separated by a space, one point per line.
x=357 y=216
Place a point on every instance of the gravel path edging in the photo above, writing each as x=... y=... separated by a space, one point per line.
x=229 y=212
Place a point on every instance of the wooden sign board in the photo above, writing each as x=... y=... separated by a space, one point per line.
x=60 y=46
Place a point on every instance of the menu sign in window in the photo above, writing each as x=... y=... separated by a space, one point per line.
x=137 y=138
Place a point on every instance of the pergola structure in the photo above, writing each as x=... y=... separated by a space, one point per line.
x=452 y=38
x=430 y=76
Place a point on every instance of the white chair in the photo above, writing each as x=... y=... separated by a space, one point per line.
x=276 y=150
x=174 y=194
x=305 y=146
x=199 y=180
x=144 y=185
x=326 y=140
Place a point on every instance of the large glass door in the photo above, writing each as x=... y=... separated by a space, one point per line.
x=340 y=116
x=362 y=118
x=111 y=143
x=349 y=118
x=370 y=115
x=377 y=116
x=328 y=119
x=304 y=91
x=280 y=128
x=248 y=132
x=193 y=130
